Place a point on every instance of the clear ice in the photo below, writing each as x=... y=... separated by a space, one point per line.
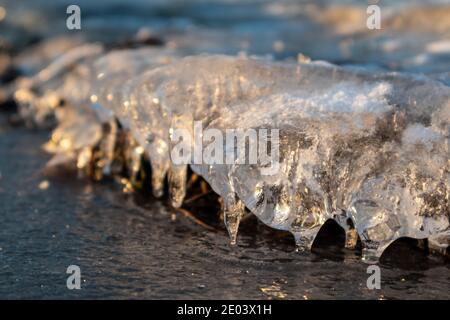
x=368 y=150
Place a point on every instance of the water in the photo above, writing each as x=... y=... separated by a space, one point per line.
x=128 y=246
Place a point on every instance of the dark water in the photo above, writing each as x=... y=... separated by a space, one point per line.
x=128 y=246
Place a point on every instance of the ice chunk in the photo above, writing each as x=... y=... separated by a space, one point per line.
x=370 y=150
x=345 y=142
x=99 y=82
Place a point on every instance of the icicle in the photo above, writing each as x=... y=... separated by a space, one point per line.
x=351 y=238
x=372 y=249
x=132 y=156
x=304 y=239
x=84 y=158
x=157 y=184
x=135 y=163
x=370 y=253
x=346 y=223
x=158 y=176
x=233 y=211
x=108 y=146
x=177 y=184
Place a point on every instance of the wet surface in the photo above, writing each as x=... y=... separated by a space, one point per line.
x=128 y=246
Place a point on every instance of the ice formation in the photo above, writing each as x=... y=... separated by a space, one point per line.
x=368 y=150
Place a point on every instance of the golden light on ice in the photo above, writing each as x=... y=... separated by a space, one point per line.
x=65 y=143
x=139 y=150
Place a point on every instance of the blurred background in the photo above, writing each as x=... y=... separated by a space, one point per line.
x=414 y=34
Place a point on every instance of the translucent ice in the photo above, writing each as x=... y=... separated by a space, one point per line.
x=369 y=150
x=100 y=82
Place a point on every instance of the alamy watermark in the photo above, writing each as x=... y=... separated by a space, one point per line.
x=73 y=21
x=74 y=280
x=230 y=146
x=374 y=280
x=373 y=21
